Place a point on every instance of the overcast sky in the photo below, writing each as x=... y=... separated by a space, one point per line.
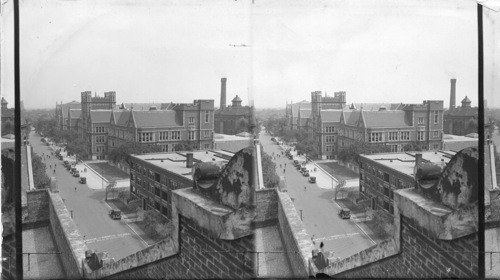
x=177 y=51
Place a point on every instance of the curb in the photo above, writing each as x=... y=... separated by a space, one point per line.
x=90 y=168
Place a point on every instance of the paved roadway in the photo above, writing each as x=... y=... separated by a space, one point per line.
x=90 y=211
x=319 y=212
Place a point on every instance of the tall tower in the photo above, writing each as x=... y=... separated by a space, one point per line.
x=223 y=93
x=453 y=93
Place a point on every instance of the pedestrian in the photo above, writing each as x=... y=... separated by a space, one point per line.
x=54 y=171
x=75 y=189
x=280 y=165
x=284 y=170
x=285 y=165
x=305 y=188
x=50 y=166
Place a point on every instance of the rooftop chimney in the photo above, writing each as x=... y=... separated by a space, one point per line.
x=223 y=93
x=189 y=160
x=452 y=93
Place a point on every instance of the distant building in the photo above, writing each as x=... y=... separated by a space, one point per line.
x=420 y=124
x=165 y=128
x=460 y=120
x=382 y=174
x=7 y=118
x=154 y=176
x=62 y=113
x=292 y=113
x=232 y=119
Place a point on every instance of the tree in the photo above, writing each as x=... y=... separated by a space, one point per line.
x=186 y=145
x=77 y=147
x=414 y=146
x=7 y=127
x=271 y=179
x=110 y=188
x=340 y=188
x=307 y=146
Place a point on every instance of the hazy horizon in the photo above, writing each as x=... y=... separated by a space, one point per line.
x=154 y=51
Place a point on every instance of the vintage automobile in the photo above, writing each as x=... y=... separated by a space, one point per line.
x=115 y=214
x=312 y=179
x=305 y=173
x=345 y=213
x=296 y=162
x=66 y=163
x=83 y=180
x=68 y=167
x=76 y=173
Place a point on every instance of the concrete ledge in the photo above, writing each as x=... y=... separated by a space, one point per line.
x=382 y=250
x=158 y=251
x=440 y=221
x=221 y=221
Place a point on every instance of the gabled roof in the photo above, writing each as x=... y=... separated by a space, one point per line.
x=71 y=105
x=100 y=116
x=302 y=105
x=122 y=118
x=332 y=115
x=385 y=119
x=352 y=118
x=75 y=113
x=156 y=119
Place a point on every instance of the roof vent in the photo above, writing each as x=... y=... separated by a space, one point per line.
x=382 y=108
x=152 y=108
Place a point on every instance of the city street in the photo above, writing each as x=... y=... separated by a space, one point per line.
x=90 y=211
x=317 y=208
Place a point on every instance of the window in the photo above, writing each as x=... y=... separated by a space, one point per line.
x=100 y=139
x=435 y=146
x=164 y=148
x=191 y=135
x=99 y=149
x=157 y=177
x=393 y=136
x=207 y=146
x=376 y=137
x=146 y=137
x=206 y=133
x=405 y=135
x=163 y=135
x=191 y=119
x=394 y=148
x=329 y=148
x=207 y=116
x=99 y=129
x=435 y=134
x=420 y=120
x=176 y=135
x=420 y=135
x=386 y=177
x=330 y=129
x=436 y=117
x=329 y=139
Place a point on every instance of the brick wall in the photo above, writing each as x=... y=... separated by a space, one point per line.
x=267 y=206
x=201 y=256
x=37 y=210
x=424 y=256
x=9 y=257
x=68 y=240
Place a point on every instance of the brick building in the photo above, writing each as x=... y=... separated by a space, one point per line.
x=462 y=120
x=232 y=119
x=420 y=124
x=381 y=174
x=62 y=113
x=154 y=176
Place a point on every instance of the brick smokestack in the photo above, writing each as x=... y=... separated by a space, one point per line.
x=223 y=93
x=453 y=93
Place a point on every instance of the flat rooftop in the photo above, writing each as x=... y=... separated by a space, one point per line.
x=457 y=138
x=404 y=162
x=176 y=161
x=226 y=137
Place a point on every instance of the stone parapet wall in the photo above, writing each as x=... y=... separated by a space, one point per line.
x=296 y=241
x=68 y=240
x=266 y=201
x=37 y=208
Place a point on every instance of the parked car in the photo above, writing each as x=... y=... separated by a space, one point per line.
x=312 y=179
x=83 y=180
x=305 y=173
x=115 y=214
x=345 y=213
x=66 y=163
x=68 y=167
x=296 y=162
x=76 y=173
